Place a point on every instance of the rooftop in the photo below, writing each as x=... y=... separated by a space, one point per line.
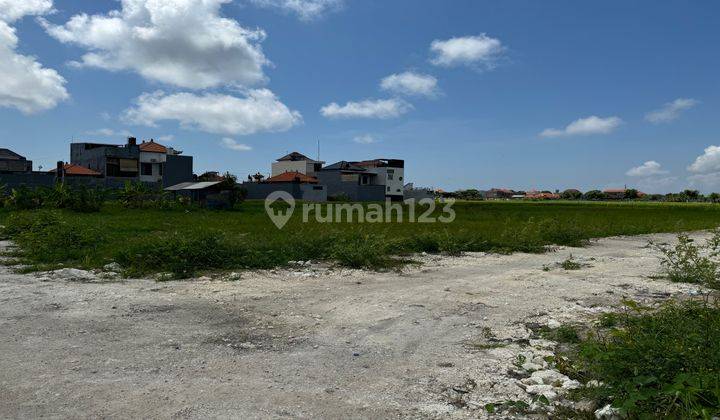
x=292 y=177
x=77 y=170
x=8 y=154
x=152 y=147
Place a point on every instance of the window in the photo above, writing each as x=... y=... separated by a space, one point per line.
x=388 y=188
x=400 y=178
x=161 y=169
x=146 y=169
x=390 y=176
x=318 y=188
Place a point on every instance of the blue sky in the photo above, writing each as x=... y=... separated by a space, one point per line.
x=518 y=94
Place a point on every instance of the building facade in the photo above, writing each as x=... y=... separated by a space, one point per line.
x=13 y=162
x=296 y=162
x=148 y=162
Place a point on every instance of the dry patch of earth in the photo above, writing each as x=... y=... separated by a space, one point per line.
x=438 y=340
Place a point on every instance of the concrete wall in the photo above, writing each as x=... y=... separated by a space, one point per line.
x=354 y=191
x=177 y=169
x=306 y=192
x=302 y=166
x=47 y=179
x=12 y=165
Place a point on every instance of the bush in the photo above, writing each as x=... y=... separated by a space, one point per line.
x=24 y=198
x=45 y=237
x=363 y=251
x=653 y=364
x=688 y=262
x=183 y=255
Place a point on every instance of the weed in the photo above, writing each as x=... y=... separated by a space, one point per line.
x=656 y=363
x=688 y=262
x=570 y=264
x=562 y=334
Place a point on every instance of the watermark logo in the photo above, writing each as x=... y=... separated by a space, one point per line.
x=280 y=206
x=286 y=203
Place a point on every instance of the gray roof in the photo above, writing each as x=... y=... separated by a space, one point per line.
x=191 y=186
x=296 y=156
x=8 y=154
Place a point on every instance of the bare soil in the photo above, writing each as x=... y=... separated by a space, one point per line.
x=435 y=340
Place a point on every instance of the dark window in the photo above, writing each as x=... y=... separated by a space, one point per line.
x=317 y=188
x=390 y=176
x=388 y=188
x=146 y=168
x=162 y=166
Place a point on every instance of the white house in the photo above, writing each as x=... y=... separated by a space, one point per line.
x=296 y=162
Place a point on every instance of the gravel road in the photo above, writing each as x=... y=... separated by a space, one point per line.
x=436 y=340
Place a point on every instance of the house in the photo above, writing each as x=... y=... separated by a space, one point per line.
x=148 y=162
x=296 y=162
x=371 y=180
x=72 y=170
x=13 y=162
x=541 y=195
x=298 y=185
x=499 y=194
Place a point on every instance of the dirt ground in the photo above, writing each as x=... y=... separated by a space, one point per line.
x=437 y=340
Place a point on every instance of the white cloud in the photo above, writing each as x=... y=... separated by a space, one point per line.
x=479 y=50
x=365 y=139
x=655 y=185
x=304 y=9
x=708 y=162
x=259 y=111
x=12 y=10
x=409 y=83
x=231 y=144
x=706 y=182
x=108 y=132
x=648 y=168
x=671 y=110
x=585 y=126
x=24 y=83
x=381 y=108
x=166 y=138
x=185 y=43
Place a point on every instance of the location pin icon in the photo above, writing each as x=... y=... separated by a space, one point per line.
x=279 y=217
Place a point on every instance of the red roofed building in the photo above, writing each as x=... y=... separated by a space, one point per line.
x=152 y=147
x=70 y=169
x=293 y=177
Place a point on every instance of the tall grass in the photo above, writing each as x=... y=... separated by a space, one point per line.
x=247 y=239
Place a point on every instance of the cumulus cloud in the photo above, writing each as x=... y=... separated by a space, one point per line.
x=410 y=83
x=708 y=162
x=585 y=126
x=185 y=43
x=24 y=83
x=258 y=111
x=671 y=110
x=365 y=139
x=232 y=144
x=480 y=50
x=381 y=109
x=12 y=10
x=649 y=168
x=304 y=9
x=108 y=132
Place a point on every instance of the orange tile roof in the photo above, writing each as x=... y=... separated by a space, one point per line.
x=72 y=169
x=293 y=177
x=152 y=147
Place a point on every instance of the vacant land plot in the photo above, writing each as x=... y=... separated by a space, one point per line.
x=439 y=340
x=185 y=242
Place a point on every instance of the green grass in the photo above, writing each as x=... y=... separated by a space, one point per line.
x=185 y=241
x=653 y=363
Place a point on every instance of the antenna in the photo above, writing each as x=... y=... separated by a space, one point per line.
x=318 y=154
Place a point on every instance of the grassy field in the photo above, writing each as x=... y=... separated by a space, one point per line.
x=187 y=241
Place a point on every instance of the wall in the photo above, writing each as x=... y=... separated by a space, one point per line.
x=290 y=166
x=354 y=191
x=47 y=179
x=178 y=169
x=306 y=192
x=13 y=165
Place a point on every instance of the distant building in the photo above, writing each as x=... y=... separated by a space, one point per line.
x=298 y=185
x=499 y=193
x=13 y=162
x=149 y=162
x=296 y=162
x=371 y=180
x=619 y=193
x=72 y=170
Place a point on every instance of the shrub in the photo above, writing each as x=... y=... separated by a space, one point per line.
x=688 y=262
x=24 y=198
x=362 y=251
x=653 y=364
x=45 y=237
x=181 y=254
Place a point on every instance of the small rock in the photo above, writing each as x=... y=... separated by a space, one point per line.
x=549 y=377
x=571 y=384
x=113 y=266
x=531 y=367
x=234 y=277
x=545 y=390
x=204 y=278
x=553 y=324
x=608 y=413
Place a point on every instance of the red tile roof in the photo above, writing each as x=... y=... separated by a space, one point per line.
x=152 y=147
x=77 y=170
x=293 y=177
